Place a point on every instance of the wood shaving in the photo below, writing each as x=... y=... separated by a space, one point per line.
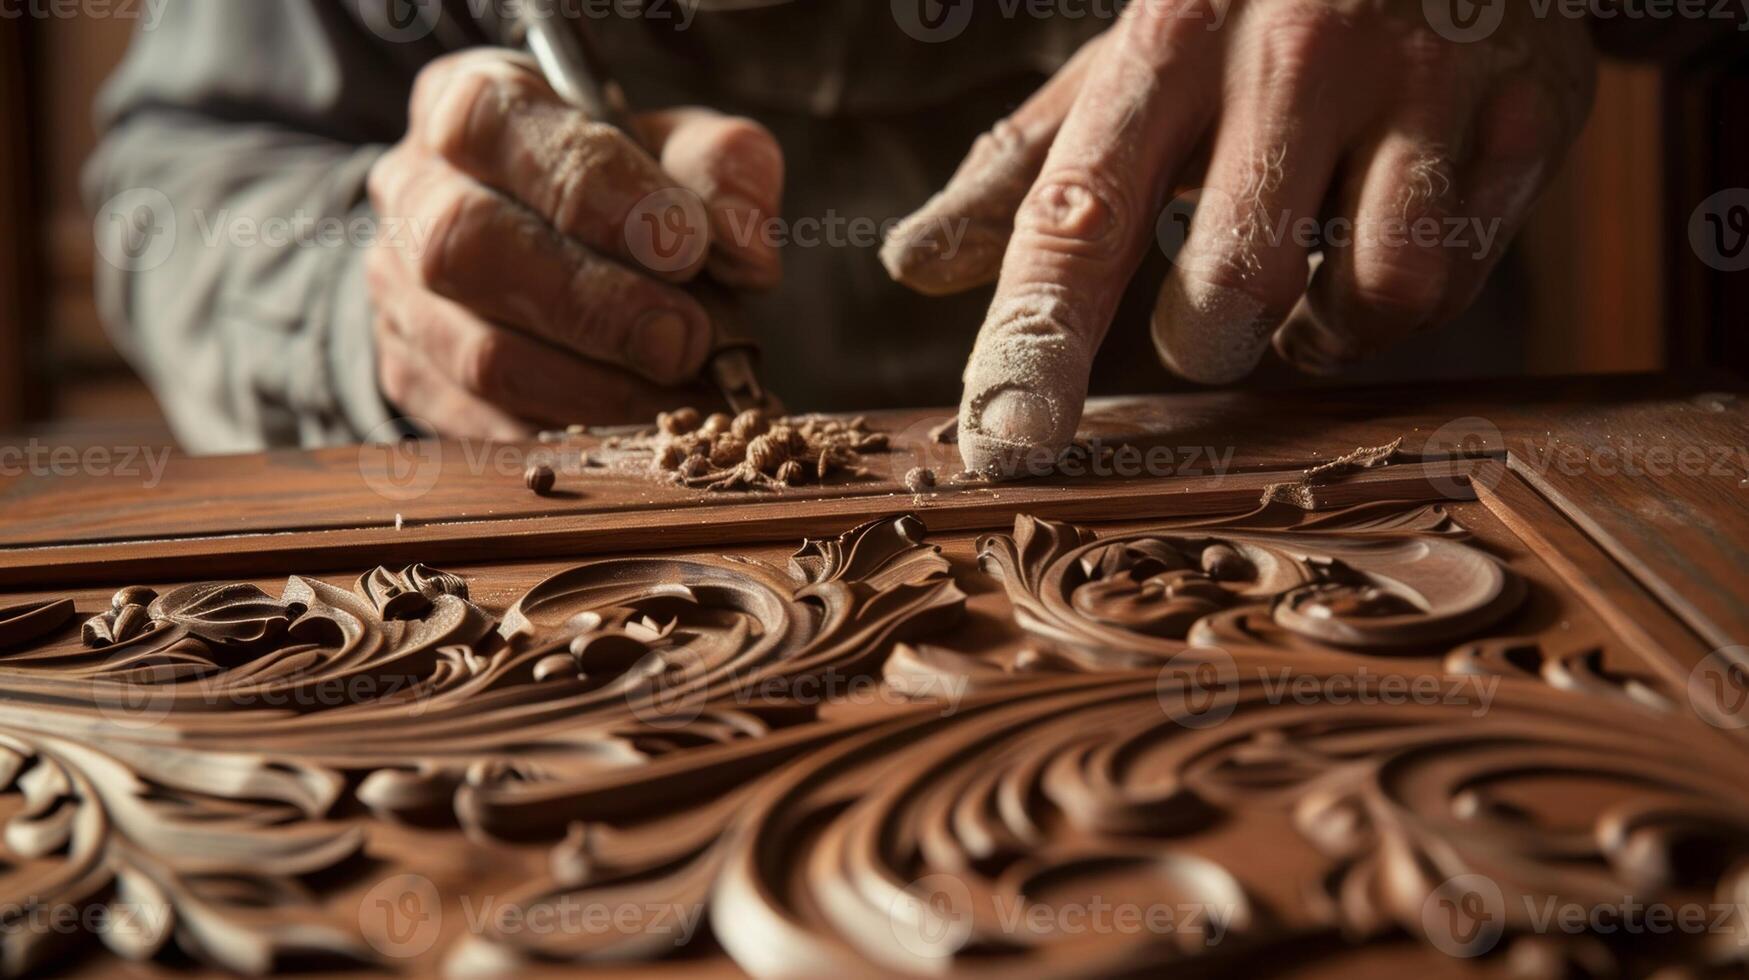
x=751 y=451
x=1301 y=495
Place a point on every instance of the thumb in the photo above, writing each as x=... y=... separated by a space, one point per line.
x=736 y=166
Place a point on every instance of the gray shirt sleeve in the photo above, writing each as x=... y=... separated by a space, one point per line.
x=231 y=212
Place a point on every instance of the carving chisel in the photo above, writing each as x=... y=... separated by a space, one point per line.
x=562 y=48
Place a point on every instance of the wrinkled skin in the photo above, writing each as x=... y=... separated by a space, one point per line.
x=521 y=295
x=1350 y=111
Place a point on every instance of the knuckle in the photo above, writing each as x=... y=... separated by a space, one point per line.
x=596 y=154
x=1300 y=40
x=1405 y=284
x=449 y=211
x=1162 y=27
x=744 y=143
x=1078 y=210
x=448 y=129
x=465 y=116
x=379 y=270
x=384 y=179
x=1431 y=60
x=394 y=374
x=484 y=364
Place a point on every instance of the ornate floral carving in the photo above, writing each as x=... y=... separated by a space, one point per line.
x=223 y=756
x=184 y=758
x=1351 y=581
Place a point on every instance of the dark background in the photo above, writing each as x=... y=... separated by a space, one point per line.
x=1610 y=283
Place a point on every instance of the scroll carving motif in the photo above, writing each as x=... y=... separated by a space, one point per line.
x=1355 y=580
x=187 y=752
x=222 y=755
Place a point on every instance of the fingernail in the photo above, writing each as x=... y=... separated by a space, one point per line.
x=1307 y=348
x=659 y=345
x=1017 y=416
x=939 y=255
x=1012 y=425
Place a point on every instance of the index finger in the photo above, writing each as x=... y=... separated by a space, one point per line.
x=1081 y=231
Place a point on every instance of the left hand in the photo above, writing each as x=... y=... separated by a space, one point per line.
x=1413 y=158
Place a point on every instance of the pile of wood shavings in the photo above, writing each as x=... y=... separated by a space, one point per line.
x=752 y=452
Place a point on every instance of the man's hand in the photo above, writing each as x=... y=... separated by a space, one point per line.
x=1355 y=114
x=538 y=285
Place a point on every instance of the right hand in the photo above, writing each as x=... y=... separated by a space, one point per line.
x=523 y=290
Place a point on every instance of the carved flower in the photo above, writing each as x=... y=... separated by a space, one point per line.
x=127 y=618
x=409 y=593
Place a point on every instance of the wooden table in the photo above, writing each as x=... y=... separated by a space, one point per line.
x=422 y=719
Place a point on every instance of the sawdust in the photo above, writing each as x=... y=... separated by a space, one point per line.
x=1301 y=494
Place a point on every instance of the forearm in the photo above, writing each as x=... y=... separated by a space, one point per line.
x=253 y=325
x=254 y=125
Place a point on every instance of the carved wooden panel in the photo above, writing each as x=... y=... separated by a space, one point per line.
x=1413 y=731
